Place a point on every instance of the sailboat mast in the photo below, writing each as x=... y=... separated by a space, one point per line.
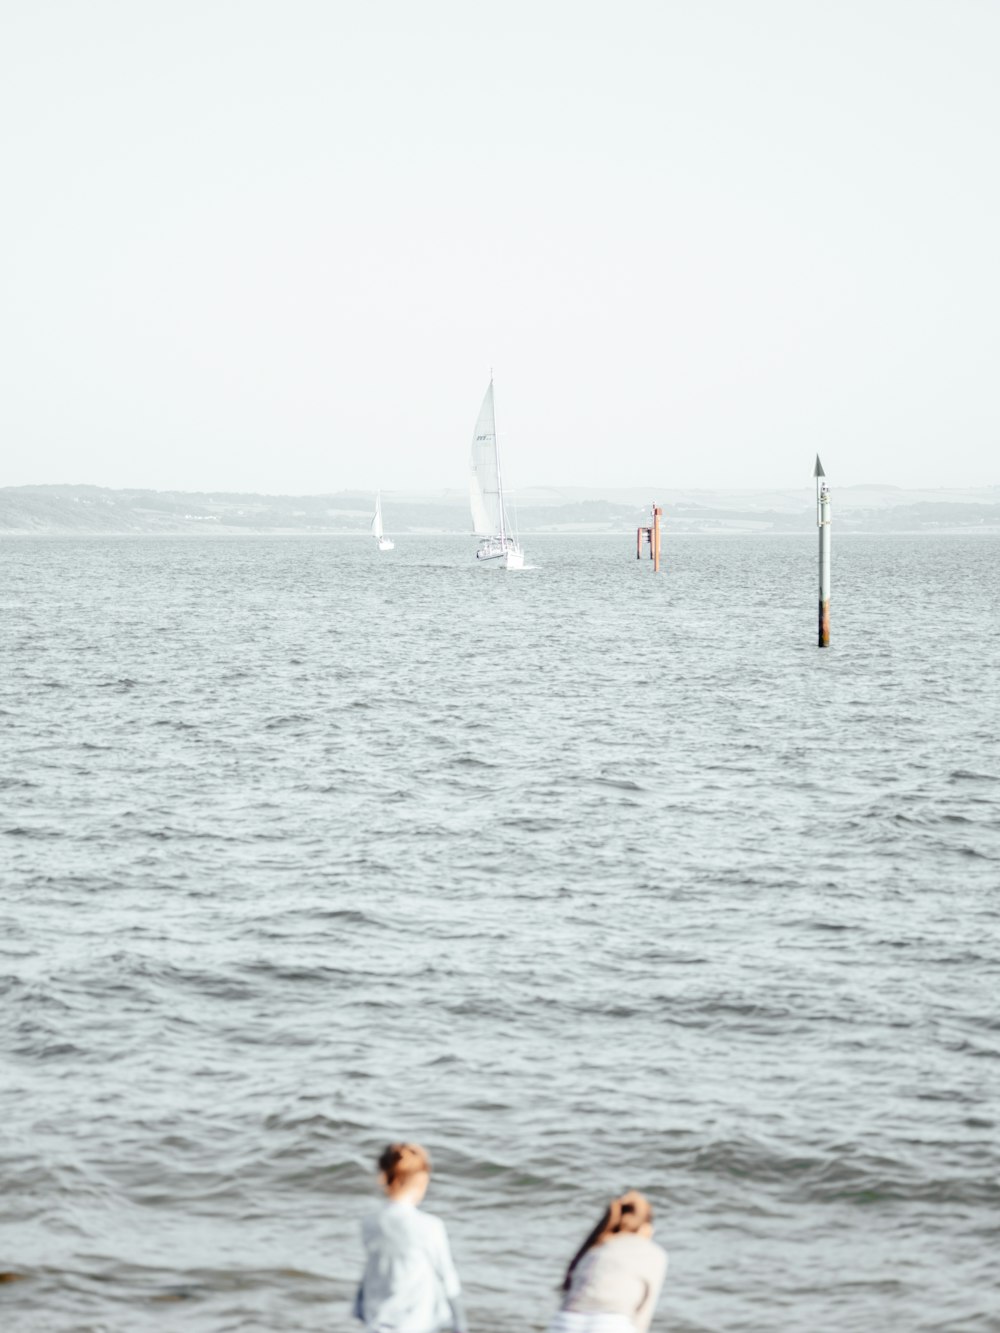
x=496 y=451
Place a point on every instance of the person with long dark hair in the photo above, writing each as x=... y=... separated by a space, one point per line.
x=409 y=1283
x=613 y=1281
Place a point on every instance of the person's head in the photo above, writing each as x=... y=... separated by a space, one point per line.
x=630 y=1214
x=405 y=1171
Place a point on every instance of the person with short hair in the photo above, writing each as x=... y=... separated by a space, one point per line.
x=613 y=1281
x=409 y=1283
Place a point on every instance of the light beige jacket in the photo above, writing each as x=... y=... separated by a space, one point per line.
x=623 y=1276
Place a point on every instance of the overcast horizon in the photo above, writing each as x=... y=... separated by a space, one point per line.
x=278 y=249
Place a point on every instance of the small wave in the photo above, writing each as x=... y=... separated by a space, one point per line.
x=48 y=1050
x=298 y=975
x=350 y=916
x=531 y=824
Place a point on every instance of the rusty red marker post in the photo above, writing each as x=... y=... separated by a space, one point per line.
x=651 y=535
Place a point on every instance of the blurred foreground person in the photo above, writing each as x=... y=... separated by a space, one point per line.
x=409 y=1283
x=614 y=1280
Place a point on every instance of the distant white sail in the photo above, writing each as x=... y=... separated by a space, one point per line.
x=383 y=542
x=488 y=518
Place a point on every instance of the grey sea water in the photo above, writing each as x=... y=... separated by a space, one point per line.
x=584 y=878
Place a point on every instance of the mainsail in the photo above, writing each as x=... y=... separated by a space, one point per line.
x=377 y=520
x=486 y=494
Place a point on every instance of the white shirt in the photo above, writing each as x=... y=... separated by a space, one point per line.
x=409 y=1284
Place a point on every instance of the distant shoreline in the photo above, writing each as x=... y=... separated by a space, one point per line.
x=571 y=512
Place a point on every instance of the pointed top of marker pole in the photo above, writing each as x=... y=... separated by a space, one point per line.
x=818 y=469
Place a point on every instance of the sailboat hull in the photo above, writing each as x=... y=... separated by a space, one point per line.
x=386 y=544
x=494 y=548
x=506 y=551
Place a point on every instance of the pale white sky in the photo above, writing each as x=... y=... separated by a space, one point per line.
x=277 y=244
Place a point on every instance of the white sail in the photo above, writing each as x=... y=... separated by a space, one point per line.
x=377 y=530
x=488 y=519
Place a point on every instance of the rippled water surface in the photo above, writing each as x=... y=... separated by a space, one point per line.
x=585 y=878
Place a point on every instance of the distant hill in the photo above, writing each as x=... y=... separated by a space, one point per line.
x=96 y=509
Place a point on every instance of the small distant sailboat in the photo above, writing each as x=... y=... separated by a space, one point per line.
x=489 y=515
x=383 y=542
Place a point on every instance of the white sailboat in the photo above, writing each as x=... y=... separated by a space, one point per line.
x=489 y=515
x=383 y=542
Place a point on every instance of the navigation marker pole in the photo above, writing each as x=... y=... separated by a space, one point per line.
x=823 y=523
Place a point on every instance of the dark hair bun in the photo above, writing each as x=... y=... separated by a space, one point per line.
x=400 y=1161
